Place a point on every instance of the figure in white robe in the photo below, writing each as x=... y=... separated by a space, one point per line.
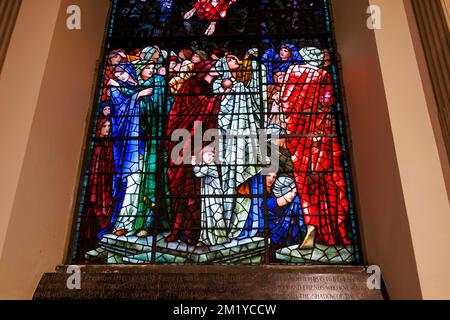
x=239 y=122
x=213 y=227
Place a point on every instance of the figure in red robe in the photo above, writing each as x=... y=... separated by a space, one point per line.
x=193 y=102
x=210 y=10
x=307 y=102
x=98 y=205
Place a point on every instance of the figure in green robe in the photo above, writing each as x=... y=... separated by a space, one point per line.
x=153 y=210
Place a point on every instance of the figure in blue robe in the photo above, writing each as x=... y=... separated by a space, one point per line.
x=128 y=148
x=280 y=61
x=277 y=149
x=255 y=220
x=285 y=216
x=285 y=223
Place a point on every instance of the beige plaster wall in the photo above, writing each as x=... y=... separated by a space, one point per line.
x=427 y=85
x=446 y=6
x=18 y=109
x=382 y=214
x=420 y=166
x=47 y=82
x=401 y=191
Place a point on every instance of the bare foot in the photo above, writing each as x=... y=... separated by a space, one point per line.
x=189 y=14
x=211 y=29
x=308 y=242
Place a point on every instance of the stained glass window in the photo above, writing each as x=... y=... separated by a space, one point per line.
x=218 y=137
